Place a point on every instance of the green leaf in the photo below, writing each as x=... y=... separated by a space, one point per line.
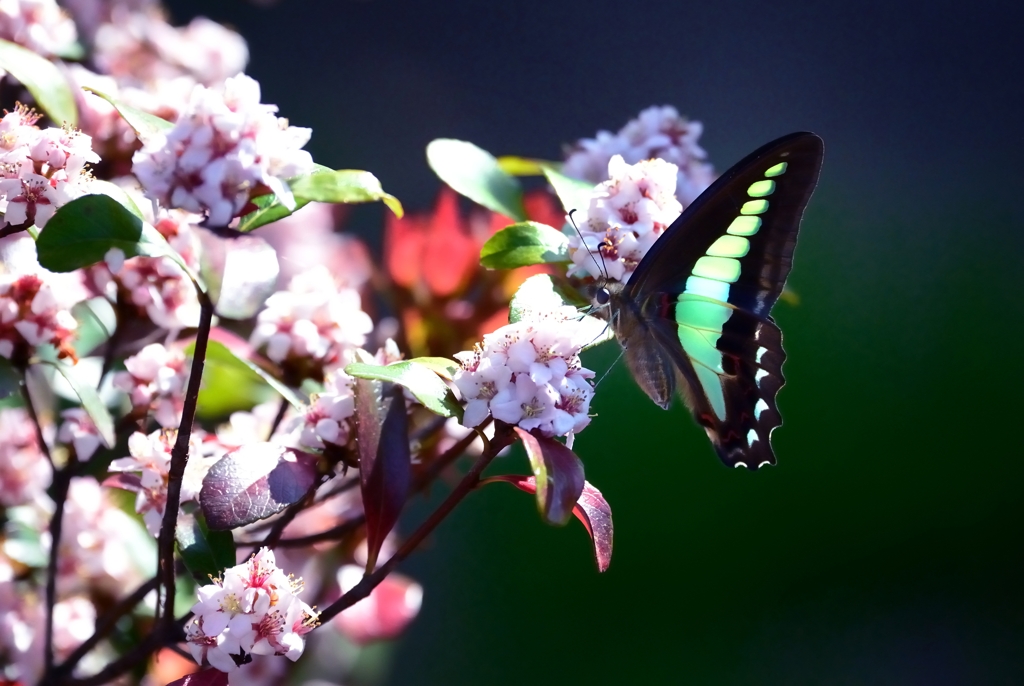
x=523 y=244
x=540 y=294
x=98 y=186
x=81 y=232
x=232 y=383
x=205 y=553
x=146 y=125
x=322 y=185
x=344 y=186
x=476 y=174
x=423 y=383
x=524 y=166
x=43 y=80
x=574 y=194
x=91 y=402
x=96 y=323
x=441 y=366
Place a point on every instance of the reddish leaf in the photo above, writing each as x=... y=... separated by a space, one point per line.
x=559 y=476
x=591 y=509
x=207 y=677
x=385 y=469
x=254 y=482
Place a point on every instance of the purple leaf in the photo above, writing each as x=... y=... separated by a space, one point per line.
x=385 y=470
x=254 y=482
x=591 y=509
x=559 y=476
x=207 y=677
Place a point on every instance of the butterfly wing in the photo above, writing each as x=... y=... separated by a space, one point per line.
x=706 y=288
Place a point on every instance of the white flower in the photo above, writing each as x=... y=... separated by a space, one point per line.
x=326 y=418
x=24 y=471
x=313 y=323
x=39 y=25
x=155 y=382
x=529 y=374
x=79 y=431
x=150 y=461
x=225 y=147
x=252 y=609
x=658 y=132
x=627 y=214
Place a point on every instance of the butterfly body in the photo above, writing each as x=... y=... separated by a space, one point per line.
x=695 y=314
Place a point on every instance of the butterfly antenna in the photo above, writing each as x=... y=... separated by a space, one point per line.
x=610 y=368
x=600 y=265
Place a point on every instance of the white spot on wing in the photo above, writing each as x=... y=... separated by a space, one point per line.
x=760 y=375
x=760 y=407
x=752 y=437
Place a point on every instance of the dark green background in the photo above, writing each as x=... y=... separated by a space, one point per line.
x=884 y=548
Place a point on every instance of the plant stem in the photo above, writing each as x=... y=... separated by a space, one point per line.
x=436 y=467
x=179 y=459
x=372 y=580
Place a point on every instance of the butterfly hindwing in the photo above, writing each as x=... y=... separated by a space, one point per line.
x=705 y=290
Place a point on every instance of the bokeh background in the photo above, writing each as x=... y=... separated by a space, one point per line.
x=885 y=547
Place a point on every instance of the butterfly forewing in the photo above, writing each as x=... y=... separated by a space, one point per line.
x=705 y=290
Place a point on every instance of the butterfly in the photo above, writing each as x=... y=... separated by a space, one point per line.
x=696 y=313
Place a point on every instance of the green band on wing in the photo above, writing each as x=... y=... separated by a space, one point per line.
x=698 y=313
x=744 y=226
x=754 y=207
x=712 y=386
x=700 y=349
x=760 y=189
x=777 y=169
x=730 y=246
x=709 y=288
x=720 y=268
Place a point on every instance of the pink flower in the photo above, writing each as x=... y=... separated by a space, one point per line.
x=24 y=471
x=326 y=420
x=225 y=149
x=148 y=466
x=79 y=432
x=39 y=25
x=155 y=382
x=627 y=214
x=252 y=609
x=658 y=132
x=312 y=324
x=31 y=315
x=529 y=374
x=383 y=614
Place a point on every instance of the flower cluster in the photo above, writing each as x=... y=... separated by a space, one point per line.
x=326 y=420
x=148 y=467
x=626 y=216
x=33 y=312
x=40 y=169
x=659 y=132
x=225 y=149
x=39 y=25
x=253 y=609
x=157 y=286
x=529 y=374
x=310 y=326
x=155 y=383
x=24 y=472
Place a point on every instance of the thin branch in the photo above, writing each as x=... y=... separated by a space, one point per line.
x=179 y=459
x=61 y=483
x=341 y=530
x=371 y=581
